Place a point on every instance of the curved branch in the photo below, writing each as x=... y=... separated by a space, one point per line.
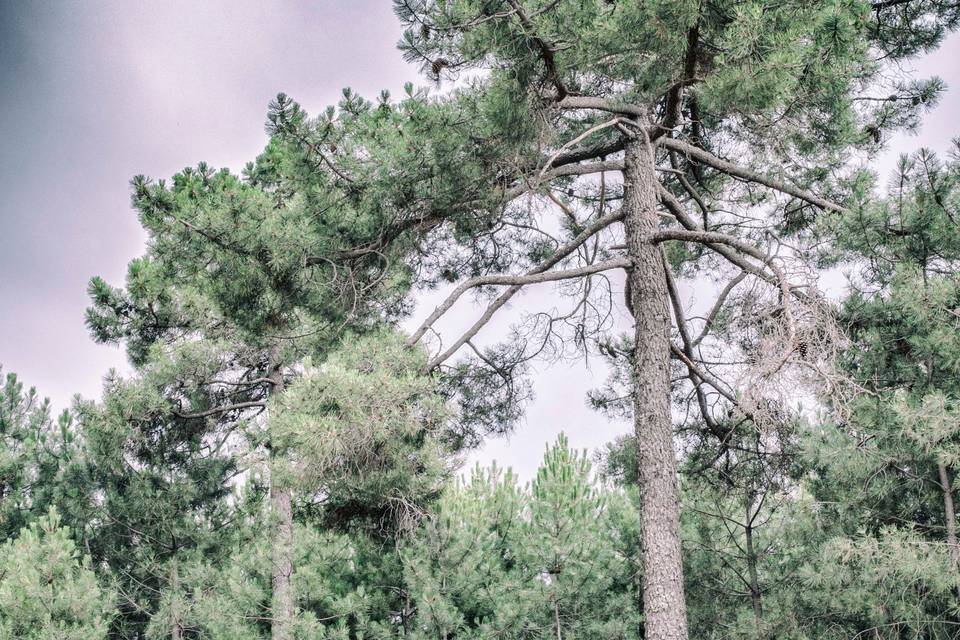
x=687 y=353
x=743 y=173
x=561 y=253
x=516 y=283
x=717 y=306
x=581 y=169
x=680 y=213
x=601 y=104
x=713 y=237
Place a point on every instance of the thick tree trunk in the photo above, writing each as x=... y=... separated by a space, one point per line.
x=950 y=514
x=663 y=600
x=281 y=509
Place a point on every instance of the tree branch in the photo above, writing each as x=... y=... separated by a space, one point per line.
x=743 y=173
x=601 y=104
x=516 y=283
x=680 y=213
x=216 y=410
x=687 y=353
x=713 y=237
x=546 y=51
x=717 y=306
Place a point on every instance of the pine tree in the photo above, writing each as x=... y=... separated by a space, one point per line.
x=161 y=490
x=662 y=93
x=38 y=455
x=47 y=590
x=886 y=465
x=583 y=138
x=234 y=294
x=545 y=561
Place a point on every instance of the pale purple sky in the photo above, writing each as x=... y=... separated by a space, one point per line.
x=95 y=92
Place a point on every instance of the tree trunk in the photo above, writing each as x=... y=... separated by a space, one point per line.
x=663 y=600
x=755 y=595
x=282 y=562
x=556 y=618
x=176 y=624
x=950 y=514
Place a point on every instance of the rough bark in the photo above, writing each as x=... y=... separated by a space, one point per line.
x=950 y=514
x=663 y=599
x=282 y=561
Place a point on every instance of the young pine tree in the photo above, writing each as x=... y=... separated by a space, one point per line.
x=48 y=591
x=546 y=561
x=39 y=457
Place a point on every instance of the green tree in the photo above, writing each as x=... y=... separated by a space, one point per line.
x=362 y=433
x=236 y=292
x=47 y=590
x=37 y=456
x=162 y=491
x=546 y=561
x=885 y=467
x=553 y=91
x=583 y=137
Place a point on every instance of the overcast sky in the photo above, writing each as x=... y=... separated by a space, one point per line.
x=93 y=93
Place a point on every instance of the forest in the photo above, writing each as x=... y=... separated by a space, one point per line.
x=694 y=183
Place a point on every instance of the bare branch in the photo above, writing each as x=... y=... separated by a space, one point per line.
x=687 y=352
x=579 y=138
x=561 y=253
x=216 y=410
x=600 y=104
x=717 y=306
x=516 y=283
x=746 y=174
x=713 y=237
x=680 y=213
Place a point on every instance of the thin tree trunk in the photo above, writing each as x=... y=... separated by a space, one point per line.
x=556 y=618
x=755 y=596
x=663 y=600
x=176 y=624
x=282 y=561
x=950 y=514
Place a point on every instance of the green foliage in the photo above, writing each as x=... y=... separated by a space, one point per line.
x=884 y=471
x=346 y=586
x=771 y=73
x=363 y=432
x=259 y=322
x=893 y=584
x=497 y=560
x=40 y=458
x=47 y=590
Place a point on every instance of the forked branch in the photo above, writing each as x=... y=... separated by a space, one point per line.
x=749 y=175
x=561 y=253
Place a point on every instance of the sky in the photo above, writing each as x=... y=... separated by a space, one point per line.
x=94 y=92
